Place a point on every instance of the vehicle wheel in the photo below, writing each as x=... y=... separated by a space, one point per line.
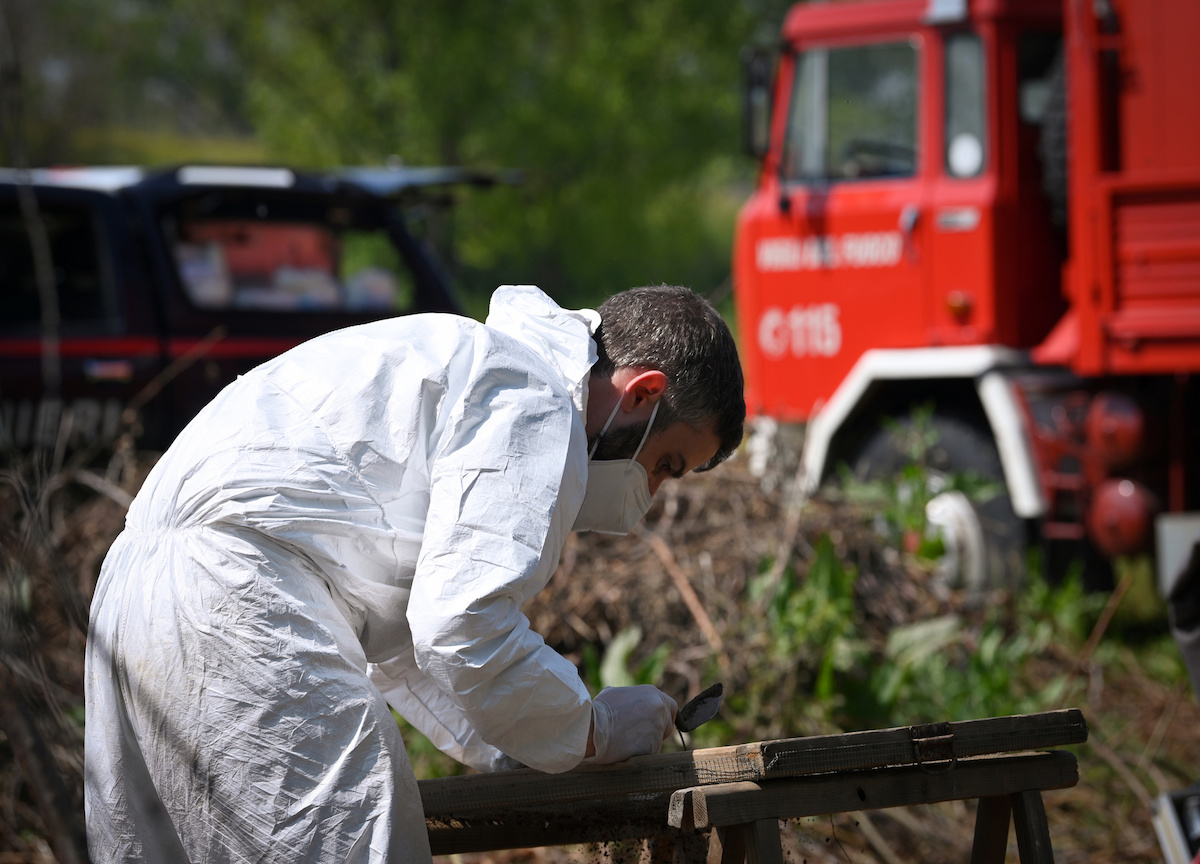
x=985 y=540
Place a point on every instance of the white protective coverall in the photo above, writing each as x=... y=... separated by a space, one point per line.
x=357 y=520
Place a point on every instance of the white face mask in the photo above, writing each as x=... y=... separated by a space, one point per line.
x=618 y=490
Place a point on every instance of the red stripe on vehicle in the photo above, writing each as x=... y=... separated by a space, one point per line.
x=125 y=347
x=233 y=347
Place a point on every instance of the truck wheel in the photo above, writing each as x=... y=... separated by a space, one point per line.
x=985 y=540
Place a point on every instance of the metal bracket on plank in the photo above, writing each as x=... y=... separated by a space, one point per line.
x=933 y=747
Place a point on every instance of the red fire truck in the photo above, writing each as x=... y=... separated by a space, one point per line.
x=991 y=207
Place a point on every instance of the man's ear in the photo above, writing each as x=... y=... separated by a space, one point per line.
x=646 y=387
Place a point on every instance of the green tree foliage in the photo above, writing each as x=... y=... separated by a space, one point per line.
x=129 y=81
x=623 y=115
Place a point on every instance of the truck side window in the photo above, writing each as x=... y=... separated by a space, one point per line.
x=853 y=113
x=1042 y=107
x=966 y=132
x=1040 y=67
x=85 y=295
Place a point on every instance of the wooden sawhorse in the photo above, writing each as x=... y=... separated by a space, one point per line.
x=737 y=795
x=744 y=816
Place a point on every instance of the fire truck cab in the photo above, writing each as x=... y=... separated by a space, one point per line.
x=991 y=207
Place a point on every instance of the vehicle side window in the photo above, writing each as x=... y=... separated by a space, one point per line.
x=1039 y=57
x=853 y=113
x=965 y=132
x=84 y=285
x=280 y=264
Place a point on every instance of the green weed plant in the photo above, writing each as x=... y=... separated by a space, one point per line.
x=972 y=661
x=954 y=668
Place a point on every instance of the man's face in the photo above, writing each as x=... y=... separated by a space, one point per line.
x=671 y=452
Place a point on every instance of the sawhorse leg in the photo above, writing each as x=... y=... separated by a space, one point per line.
x=754 y=843
x=1028 y=816
x=673 y=849
x=1033 y=831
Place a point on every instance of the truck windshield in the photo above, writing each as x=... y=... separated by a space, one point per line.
x=268 y=259
x=853 y=114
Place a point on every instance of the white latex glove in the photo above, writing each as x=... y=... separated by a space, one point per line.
x=630 y=721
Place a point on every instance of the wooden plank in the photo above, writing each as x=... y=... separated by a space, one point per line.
x=526 y=829
x=852 y=751
x=793 y=757
x=660 y=773
x=687 y=810
x=789 y=798
x=991 y=830
x=638 y=816
x=1033 y=832
x=519 y=809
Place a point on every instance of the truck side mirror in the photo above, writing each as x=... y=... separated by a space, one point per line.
x=756 y=106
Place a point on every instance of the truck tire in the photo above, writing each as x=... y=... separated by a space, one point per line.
x=960 y=447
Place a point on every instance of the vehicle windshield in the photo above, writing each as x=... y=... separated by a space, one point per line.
x=853 y=114
x=280 y=256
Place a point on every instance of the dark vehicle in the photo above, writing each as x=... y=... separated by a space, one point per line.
x=171 y=283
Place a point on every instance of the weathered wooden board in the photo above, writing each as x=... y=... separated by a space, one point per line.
x=526 y=829
x=644 y=775
x=687 y=811
x=458 y=797
x=789 y=798
x=750 y=784
x=910 y=745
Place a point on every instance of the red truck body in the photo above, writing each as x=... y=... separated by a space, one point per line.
x=906 y=238
x=1133 y=280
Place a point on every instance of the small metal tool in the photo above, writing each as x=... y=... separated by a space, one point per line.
x=699 y=711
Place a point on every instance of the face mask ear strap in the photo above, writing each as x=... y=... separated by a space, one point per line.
x=646 y=434
x=607 y=423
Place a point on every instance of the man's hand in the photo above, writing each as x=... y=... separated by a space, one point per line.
x=630 y=721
